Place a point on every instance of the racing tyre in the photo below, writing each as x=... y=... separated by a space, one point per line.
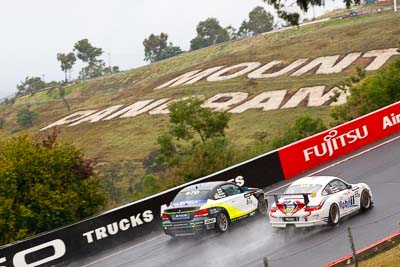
x=365 y=200
x=222 y=223
x=334 y=215
x=262 y=205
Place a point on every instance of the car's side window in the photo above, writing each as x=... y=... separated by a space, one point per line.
x=231 y=189
x=339 y=185
x=334 y=187
x=327 y=190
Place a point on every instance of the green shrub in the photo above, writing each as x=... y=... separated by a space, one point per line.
x=303 y=127
x=371 y=93
x=44 y=185
x=26 y=117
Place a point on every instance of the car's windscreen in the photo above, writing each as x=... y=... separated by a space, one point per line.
x=303 y=188
x=194 y=195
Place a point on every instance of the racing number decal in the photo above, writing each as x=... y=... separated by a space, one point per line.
x=352 y=200
x=347 y=203
x=249 y=201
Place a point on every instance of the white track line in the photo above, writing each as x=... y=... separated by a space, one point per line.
x=340 y=162
x=325 y=168
x=122 y=251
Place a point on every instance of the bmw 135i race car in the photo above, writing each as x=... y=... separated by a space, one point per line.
x=211 y=205
x=318 y=200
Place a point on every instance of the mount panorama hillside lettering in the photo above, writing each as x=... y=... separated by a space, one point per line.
x=277 y=68
x=234 y=102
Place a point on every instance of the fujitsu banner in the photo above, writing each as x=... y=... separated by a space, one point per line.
x=333 y=143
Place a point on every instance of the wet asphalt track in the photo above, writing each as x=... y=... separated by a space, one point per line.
x=247 y=243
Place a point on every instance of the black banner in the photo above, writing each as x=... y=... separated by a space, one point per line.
x=128 y=222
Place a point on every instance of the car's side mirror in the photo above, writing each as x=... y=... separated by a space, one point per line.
x=349 y=186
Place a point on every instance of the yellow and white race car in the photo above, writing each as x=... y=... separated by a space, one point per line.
x=211 y=205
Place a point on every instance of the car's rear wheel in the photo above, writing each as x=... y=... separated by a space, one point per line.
x=222 y=223
x=334 y=215
x=262 y=205
x=365 y=200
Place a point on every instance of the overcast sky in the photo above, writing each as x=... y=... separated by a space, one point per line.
x=33 y=32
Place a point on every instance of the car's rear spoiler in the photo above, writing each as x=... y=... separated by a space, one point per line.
x=305 y=196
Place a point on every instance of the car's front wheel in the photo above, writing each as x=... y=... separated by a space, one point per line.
x=365 y=200
x=262 y=205
x=334 y=215
x=222 y=222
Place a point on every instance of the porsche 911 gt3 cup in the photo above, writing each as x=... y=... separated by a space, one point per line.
x=211 y=205
x=318 y=200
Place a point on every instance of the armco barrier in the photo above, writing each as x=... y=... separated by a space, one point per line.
x=125 y=223
x=345 y=138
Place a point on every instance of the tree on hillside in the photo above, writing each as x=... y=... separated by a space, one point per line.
x=87 y=52
x=189 y=118
x=232 y=33
x=170 y=51
x=369 y=93
x=111 y=70
x=148 y=186
x=61 y=91
x=94 y=69
x=30 y=85
x=10 y=101
x=304 y=5
x=44 y=184
x=304 y=126
x=67 y=61
x=157 y=48
x=209 y=32
x=90 y=55
x=259 y=21
x=26 y=117
x=151 y=164
x=195 y=143
x=111 y=174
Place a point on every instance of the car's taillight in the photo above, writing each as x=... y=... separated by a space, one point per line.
x=164 y=216
x=280 y=207
x=201 y=213
x=312 y=208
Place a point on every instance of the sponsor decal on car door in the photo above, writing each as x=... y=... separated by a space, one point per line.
x=347 y=202
x=241 y=203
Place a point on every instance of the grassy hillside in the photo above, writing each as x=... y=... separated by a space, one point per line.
x=131 y=140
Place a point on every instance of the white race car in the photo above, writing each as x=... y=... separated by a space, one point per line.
x=318 y=200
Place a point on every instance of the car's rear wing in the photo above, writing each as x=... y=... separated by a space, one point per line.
x=305 y=196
